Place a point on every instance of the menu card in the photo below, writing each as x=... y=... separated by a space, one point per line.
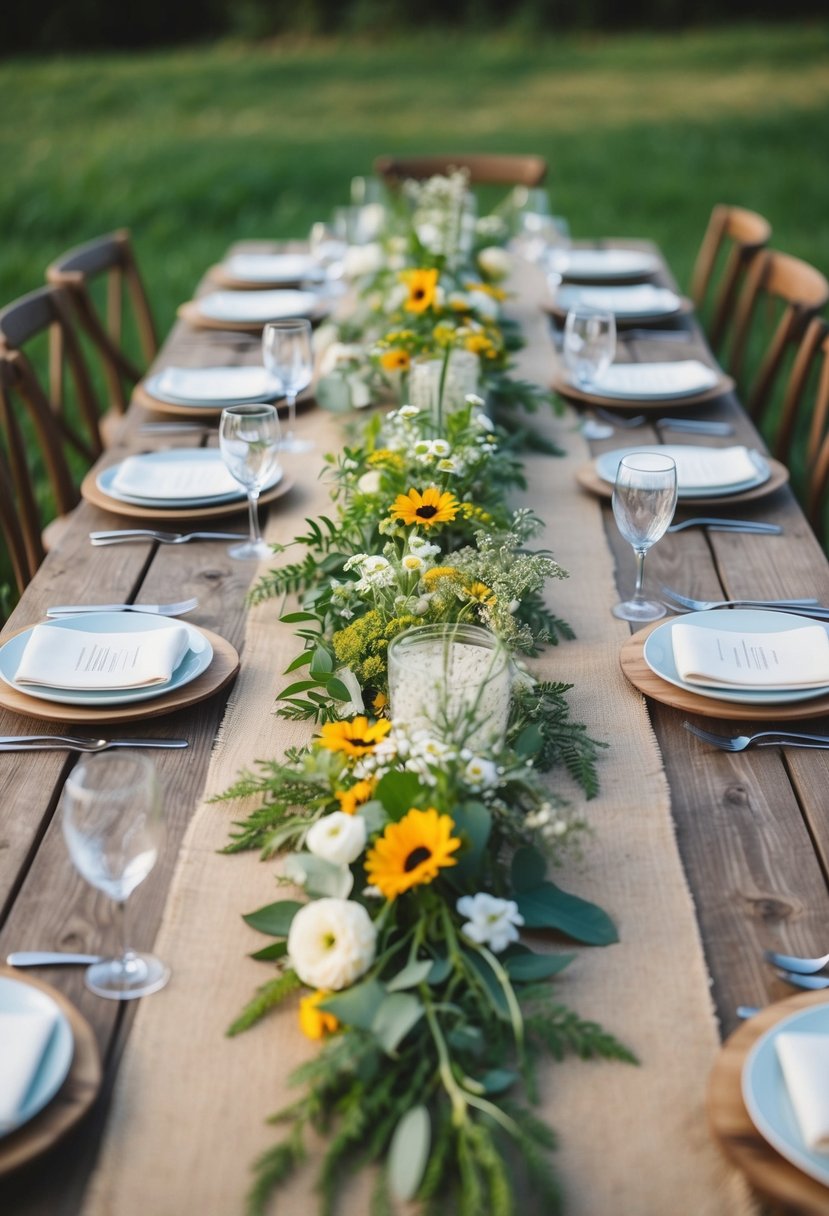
x=804 y=1059
x=714 y=658
x=74 y=659
x=24 y=1038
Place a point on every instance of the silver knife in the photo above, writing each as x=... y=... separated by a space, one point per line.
x=125 y=535
x=48 y=958
x=35 y=743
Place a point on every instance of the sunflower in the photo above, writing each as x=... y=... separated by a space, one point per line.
x=380 y=702
x=355 y=738
x=396 y=360
x=422 y=285
x=350 y=799
x=429 y=508
x=411 y=852
x=316 y=1023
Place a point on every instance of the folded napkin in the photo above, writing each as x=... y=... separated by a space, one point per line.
x=157 y=475
x=655 y=379
x=72 y=658
x=253 y=306
x=598 y=263
x=804 y=1059
x=272 y=267
x=24 y=1038
x=701 y=468
x=642 y=300
x=218 y=384
x=717 y=658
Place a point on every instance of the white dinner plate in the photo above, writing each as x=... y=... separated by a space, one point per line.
x=663 y=381
x=273 y=268
x=257 y=306
x=629 y=303
x=197 y=659
x=659 y=652
x=607 y=464
x=16 y=997
x=602 y=264
x=106 y=478
x=767 y=1098
x=218 y=386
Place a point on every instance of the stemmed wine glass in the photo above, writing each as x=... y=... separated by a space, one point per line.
x=589 y=343
x=644 y=500
x=286 y=352
x=249 y=443
x=113 y=826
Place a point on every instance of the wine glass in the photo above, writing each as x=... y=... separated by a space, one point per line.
x=589 y=343
x=644 y=500
x=328 y=248
x=249 y=443
x=286 y=352
x=113 y=826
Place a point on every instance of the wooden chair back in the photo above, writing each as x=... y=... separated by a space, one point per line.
x=737 y=235
x=75 y=272
x=817 y=488
x=799 y=292
x=484 y=168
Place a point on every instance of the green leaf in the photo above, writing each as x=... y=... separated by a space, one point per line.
x=318 y=876
x=491 y=985
x=269 y=954
x=497 y=1080
x=440 y=972
x=358 y=1005
x=397 y=792
x=299 y=661
x=336 y=689
x=274 y=919
x=528 y=869
x=466 y=1038
x=298 y=686
x=524 y=968
x=414 y=973
x=395 y=1018
x=409 y=1152
x=322 y=663
x=473 y=822
x=548 y=907
x=293 y=618
x=530 y=741
x=375 y=816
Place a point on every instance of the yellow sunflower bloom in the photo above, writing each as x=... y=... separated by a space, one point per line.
x=352 y=798
x=379 y=703
x=355 y=738
x=396 y=360
x=478 y=344
x=422 y=285
x=412 y=852
x=316 y=1023
x=431 y=507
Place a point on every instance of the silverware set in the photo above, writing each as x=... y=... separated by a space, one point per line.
x=178 y=608
x=685 y=603
x=690 y=426
x=714 y=524
x=67 y=743
x=761 y=738
x=128 y=535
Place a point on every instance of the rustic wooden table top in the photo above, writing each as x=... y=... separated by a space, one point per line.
x=753 y=828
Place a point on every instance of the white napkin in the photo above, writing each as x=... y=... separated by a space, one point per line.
x=655 y=379
x=272 y=267
x=254 y=306
x=701 y=468
x=149 y=477
x=24 y=1038
x=804 y=1059
x=218 y=384
x=599 y=263
x=715 y=658
x=75 y=659
x=642 y=300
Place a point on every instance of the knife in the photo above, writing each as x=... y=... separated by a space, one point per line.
x=36 y=743
x=48 y=958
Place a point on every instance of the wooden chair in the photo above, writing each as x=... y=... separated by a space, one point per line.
x=484 y=169
x=76 y=272
x=816 y=343
x=737 y=235
x=18 y=509
x=794 y=292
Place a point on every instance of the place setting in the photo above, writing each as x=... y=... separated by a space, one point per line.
x=244 y=271
x=250 y=310
x=609 y=264
x=639 y=304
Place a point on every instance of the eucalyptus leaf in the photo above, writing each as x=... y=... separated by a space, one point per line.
x=318 y=876
x=333 y=394
x=397 y=792
x=497 y=1080
x=491 y=985
x=414 y=973
x=440 y=972
x=394 y=1019
x=274 y=919
x=269 y=954
x=357 y=1005
x=473 y=823
x=409 y=1152
x=525 y=968
x=530 y=741
x=548 y=907
x=374 y=813
x=466 y=1038
x=528 y=868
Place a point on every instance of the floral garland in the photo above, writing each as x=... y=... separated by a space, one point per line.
x=421 y=845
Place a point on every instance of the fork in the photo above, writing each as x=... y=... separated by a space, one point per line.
x=762 y=738
x=794 y=962
x=685 y=603
x=45 y=743
x=728 y=525
x=126 y=535
x=623 y=424
x=175 y=609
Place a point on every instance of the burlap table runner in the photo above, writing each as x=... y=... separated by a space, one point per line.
x=189 y=1107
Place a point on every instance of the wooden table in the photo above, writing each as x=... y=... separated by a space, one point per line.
x=753 y=829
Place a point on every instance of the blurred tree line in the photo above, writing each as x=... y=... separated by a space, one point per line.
x=58 y=25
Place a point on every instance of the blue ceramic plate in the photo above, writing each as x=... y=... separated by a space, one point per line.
x=17 y=997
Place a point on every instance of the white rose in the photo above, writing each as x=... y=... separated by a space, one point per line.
x=338 y=838
x=491 y=922
x=331 y=943
x=494 y=262
x=350 y=709
x=369 y=483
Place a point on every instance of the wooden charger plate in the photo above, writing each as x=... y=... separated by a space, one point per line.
x=632 y=661
x=222 y=669
x=91 y=491
x=192 y=314
x=72 y=1100
x=639 y=405
x=589 y=479
x=732 y=1127
x=211 y=412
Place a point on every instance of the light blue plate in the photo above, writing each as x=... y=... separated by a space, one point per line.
x=767 y=1098
x=107 y=476
x=154 y=385
x=17 y=997
x=607 y=464
x=659 y=652
x=197 y=659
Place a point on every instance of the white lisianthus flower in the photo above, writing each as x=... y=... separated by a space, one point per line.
x=422 y=547
x=350 y=709
x=362 y=260
x=480 y=773
x=448 y=465
x=439 y=447
x=423 y=448
x=408 y=411
x=338 y=838
x=331 y=943
x=369 y=483
x=494 y=262
x=490 y=921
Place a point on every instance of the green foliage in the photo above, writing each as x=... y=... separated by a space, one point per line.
x=267 y=997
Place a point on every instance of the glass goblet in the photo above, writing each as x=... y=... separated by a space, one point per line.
x=287 y=355
x=589 y=343
x=249 y=444
x=113 y=826
x=644 y=501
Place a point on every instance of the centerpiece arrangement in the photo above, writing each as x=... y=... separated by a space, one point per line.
x=417 y=823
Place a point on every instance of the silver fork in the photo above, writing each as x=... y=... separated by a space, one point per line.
x=622 y=423
x=795 y=962
x=175 y=609
x=762 y=738
x=728 y=525
x=46 y=743
x=126 y=535
x=686 y=603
